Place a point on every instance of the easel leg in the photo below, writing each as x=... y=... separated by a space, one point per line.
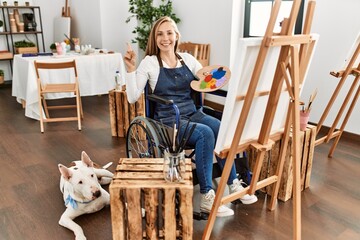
x=219 y=193
x=342 y=108
x=296 y=145
x=338 y=87
x=256 y=173
x=280 y=166
x=348 y=114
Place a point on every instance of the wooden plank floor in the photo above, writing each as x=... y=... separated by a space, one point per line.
x=31 y=202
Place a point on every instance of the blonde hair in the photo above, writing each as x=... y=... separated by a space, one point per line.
x=151 y=47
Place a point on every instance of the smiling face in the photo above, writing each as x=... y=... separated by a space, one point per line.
x=166 y=37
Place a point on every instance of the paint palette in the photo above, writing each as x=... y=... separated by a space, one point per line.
x=211 y=78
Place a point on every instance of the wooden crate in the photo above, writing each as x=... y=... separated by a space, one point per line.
x=307 y=139
x=26 y=50
x=122 y=112
x=139 y=183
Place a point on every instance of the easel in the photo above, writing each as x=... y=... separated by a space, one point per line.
x=291 y=68
x=65 y=10
x=344 y=74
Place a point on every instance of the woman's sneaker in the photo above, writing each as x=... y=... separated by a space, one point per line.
x=207 y=201
x=236 y=187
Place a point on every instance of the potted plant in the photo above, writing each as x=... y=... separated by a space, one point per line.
x=147 y=14
x=53 y=47
x=1 y=76
x=1 y=26
x=16 y=3
x=25 y=47
x=5 y=3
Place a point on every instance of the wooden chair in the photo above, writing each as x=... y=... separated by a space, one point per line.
x=46 y=86
x=200 y=51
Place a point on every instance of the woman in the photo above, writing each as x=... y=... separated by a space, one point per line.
x=169 y=75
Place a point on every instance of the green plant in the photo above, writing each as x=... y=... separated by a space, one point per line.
x=1 y=23
x=146 y=14
x=1 y=72
x=23 y=43
x=53 y=46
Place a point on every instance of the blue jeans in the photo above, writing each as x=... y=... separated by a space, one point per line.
x=204 y=138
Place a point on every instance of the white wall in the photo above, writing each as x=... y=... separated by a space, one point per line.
x=207 y=21
x=102 y=24
x=338 y=23
x=86 y=21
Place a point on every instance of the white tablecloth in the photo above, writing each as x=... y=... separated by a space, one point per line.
x=96 y=75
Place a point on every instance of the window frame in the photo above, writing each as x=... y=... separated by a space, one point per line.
x=298 y=24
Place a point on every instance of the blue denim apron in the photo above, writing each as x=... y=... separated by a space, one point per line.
x=174 y=84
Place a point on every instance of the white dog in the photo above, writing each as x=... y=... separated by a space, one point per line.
x=82 y=191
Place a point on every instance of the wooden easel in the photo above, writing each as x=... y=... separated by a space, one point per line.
x=291 y=67
x=343 y=74
x=66 y=10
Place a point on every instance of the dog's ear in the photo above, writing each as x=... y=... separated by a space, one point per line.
x=86 y=159
x=65 y=172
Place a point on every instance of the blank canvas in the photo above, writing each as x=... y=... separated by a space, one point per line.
x=244 y=64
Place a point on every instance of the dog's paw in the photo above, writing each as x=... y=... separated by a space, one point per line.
x=80 y=237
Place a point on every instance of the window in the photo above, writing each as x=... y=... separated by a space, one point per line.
x=257 y=14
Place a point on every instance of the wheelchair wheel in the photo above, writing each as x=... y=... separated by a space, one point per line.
x=141 y=139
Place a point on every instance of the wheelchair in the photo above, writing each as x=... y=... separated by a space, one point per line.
x=145 y=137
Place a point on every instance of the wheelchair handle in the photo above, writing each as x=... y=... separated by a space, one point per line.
x=158 y=99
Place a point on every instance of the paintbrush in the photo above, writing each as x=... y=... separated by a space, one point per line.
x=311 y=100
x=187 y=137
x=174 y=138
x=183 y=137
x=71 y=41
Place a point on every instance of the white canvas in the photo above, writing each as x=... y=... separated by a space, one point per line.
x=351 y=53
x=61 y=27
x=247 y=51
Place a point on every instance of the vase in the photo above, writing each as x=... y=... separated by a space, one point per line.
x=304 y=119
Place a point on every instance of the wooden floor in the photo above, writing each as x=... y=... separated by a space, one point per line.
x=31 y=202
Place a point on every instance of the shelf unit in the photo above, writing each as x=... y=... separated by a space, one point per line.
x=11 y=37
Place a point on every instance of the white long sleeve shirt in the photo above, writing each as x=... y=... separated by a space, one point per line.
x=149 y=70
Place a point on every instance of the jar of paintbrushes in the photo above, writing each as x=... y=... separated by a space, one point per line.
x=174 y=166
x=305 y=112
x=174 y=154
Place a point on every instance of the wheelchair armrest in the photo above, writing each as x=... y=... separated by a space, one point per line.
x=158 y=99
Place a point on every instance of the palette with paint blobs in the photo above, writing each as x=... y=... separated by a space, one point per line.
x=211 y=78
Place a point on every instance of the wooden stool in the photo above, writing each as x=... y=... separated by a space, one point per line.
x=307 y=140
x=139 y=183
x=122 y=112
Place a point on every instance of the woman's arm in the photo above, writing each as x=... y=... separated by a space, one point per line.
x=136 y=81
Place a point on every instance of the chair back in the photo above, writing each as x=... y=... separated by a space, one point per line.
x=55 y=65
x=60 y=80
x=69 y=75
x=188 y=47
x=200 y=51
